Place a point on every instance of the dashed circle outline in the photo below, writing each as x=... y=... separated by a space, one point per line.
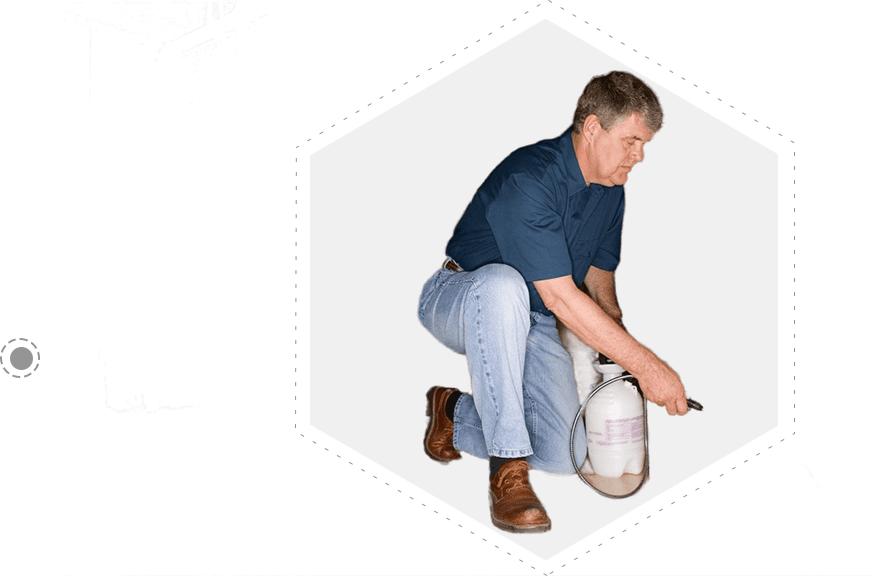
x=35 y=367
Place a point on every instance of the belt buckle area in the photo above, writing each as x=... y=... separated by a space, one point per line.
x=450 y=264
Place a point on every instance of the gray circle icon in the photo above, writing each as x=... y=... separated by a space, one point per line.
x=19 y=358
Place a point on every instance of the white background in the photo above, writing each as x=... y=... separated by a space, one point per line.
x=391 y=193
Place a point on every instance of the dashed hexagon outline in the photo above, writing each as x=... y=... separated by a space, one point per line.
x=662 y=496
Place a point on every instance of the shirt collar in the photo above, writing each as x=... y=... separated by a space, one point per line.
x=575 y=178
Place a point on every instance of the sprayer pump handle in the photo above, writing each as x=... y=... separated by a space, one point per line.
x=603 y=359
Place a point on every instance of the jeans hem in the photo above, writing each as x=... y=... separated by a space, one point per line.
x=511 y=453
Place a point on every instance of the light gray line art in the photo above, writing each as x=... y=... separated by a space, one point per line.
x=144 y=26
x=139 y=405
x=156 y=31
x=810 y=475
x=150 y=26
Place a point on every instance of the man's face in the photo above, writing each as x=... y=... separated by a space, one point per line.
x=613 y=153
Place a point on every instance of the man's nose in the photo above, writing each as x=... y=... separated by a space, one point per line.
x=636 y=152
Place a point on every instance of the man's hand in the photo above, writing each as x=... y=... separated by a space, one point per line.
x=662 y=386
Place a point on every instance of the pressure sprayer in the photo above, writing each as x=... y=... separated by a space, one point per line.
x=615 y=417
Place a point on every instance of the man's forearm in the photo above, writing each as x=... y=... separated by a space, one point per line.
x=600 y=286
x=610 y=307
x=588 y=321
x=599 y=328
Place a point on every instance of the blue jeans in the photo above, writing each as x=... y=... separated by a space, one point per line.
x=524 y=396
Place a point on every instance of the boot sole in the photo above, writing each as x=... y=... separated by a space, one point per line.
x=537 y=529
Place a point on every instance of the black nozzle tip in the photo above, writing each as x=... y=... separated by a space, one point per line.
x=693 y=404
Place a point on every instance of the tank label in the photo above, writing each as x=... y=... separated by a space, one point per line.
x=623 y=431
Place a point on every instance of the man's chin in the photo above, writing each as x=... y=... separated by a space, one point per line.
x=619 y=179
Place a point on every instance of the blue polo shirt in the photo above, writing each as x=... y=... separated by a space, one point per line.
x=535 y=213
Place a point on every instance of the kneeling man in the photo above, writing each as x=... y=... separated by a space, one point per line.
x=538 y=243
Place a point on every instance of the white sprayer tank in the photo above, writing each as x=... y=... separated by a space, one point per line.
x=615 y=426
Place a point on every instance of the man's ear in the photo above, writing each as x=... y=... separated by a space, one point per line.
x=591 y=126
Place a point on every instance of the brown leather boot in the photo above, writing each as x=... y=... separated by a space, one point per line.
x=439 y=438
x=513 y=504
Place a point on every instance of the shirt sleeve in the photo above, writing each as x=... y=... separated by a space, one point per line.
x=526 y=222
x=608 y=255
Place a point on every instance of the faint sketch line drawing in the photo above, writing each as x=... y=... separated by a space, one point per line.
x=150 y=20
x=155 y=31
x=139 y=405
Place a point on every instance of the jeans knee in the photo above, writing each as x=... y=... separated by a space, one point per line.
x=504 y=283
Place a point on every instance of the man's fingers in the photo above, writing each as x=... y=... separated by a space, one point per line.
x=682 y=406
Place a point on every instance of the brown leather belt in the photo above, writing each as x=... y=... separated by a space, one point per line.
x=450 y=264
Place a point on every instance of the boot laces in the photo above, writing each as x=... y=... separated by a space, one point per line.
x=514 y=478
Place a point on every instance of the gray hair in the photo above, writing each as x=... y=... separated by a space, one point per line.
x=613 y=97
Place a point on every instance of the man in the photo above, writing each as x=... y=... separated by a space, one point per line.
x=539 y=242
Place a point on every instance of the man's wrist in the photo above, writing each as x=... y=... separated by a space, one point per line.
x=643 y=363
